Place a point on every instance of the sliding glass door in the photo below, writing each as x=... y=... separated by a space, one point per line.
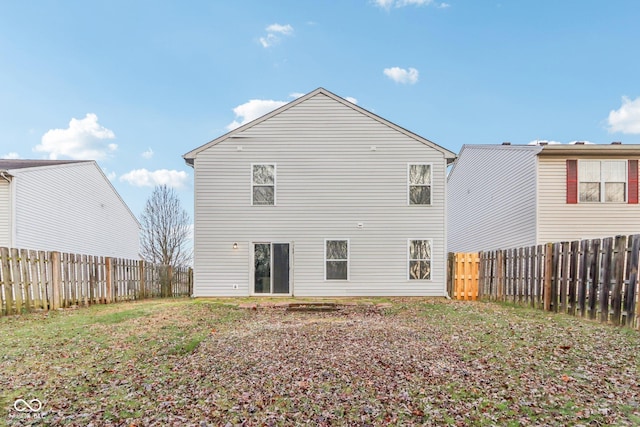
x=271 y=272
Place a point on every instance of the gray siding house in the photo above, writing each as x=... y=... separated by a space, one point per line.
x=506 y=196
x=64 y=205
x=320 y=198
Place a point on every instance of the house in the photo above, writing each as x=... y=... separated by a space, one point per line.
x=319 y=198
x=505 y=196
x=64 y=205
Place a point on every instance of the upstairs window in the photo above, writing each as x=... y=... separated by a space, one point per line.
x=602 y=181
x=419 y=177
x=263 y=184
x=336 y=260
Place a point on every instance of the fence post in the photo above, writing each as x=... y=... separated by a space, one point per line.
x=564 y=279
x=451 y=267
x=499 y=275
x=108 y=278
x=595 y=277
x=7 y=283
x=143 y=293
x=632 y=268
x=481 y=276
x=605 y=287
x=584 y=277
x=56 y=279
x=618 y=269
x=573 y=273
x=548 y=272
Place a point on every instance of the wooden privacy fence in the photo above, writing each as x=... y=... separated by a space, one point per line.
x=595 y=278
x=463 y=277
x=43 y=280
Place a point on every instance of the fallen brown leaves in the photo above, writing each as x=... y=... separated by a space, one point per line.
x=413 y=362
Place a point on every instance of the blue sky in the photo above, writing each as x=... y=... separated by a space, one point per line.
x=136 y=84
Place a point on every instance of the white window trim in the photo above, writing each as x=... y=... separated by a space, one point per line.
x=275 y=182
x=603 y=195
x=409 y=259
x=324 y=249
x=409 y=184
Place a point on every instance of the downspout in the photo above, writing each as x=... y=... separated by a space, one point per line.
x=446 y=228
x=3 y=174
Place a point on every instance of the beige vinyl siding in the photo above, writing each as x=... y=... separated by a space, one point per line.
x=73 y=208
x=328 y=181
x=492 y=198
x=558 y=221
x=5 y=213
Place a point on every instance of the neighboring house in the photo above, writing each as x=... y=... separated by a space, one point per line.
x=505 y=196
x=64 y=205
x=320 y=198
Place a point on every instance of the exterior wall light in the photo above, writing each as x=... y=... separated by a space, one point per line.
x=235 y=245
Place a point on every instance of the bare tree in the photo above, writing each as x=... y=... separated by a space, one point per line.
x=166 y=227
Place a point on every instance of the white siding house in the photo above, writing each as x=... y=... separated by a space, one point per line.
x=66 y=206
x=492 y=197
x=506 y=196
x=319 y=198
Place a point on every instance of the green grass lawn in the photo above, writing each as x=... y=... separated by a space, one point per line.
x=415 y=362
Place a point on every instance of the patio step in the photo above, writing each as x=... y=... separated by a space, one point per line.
x=313 y=306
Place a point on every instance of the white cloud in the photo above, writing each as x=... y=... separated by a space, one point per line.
x=274 y=31
x=626 y=119
x=400 y=75
x=84 y=139
x=268 y=40
x=252 y=110
x=385 y=4
x=388 y=4
x=351 y=100
x=146 y=178
x=11 y=155
x=148 y=154
x=285 y=30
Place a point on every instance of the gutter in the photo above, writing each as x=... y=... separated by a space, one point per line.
x=6 y=176
x=590 y=150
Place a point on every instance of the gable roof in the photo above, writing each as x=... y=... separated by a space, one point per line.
x=8 y=164
x=475 y=150
x=191 y=155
